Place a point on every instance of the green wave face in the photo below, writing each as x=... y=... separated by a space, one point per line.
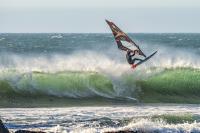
x=167 y=86
x=176 y=118
x=61 y=85
x=172 y=85
x=72 y=84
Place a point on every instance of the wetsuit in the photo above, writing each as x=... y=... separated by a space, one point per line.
x=130 y=59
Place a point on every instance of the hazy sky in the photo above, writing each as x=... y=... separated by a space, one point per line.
x=88 y=15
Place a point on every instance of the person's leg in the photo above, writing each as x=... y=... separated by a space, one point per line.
x=133 y=61
x=136 y=59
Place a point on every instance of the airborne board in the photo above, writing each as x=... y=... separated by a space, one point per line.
x=147 y=58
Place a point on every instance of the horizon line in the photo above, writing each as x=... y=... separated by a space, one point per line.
x=97 y=32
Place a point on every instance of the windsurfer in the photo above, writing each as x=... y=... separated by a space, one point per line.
x=130 y=57
x=134 y=54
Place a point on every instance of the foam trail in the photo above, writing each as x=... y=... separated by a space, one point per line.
x=102 y=119
x=147 y=125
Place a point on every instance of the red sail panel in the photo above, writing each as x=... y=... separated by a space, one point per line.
x=121 y=37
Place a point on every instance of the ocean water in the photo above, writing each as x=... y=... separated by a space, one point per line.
x=144 y=118
x=72 y=71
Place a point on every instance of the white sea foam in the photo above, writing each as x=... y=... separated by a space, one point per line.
x=2 y=39
x=114 y=64
x=56 y=36
x=100 y=119
x=79 y=61
x=173 y=58
x=160 y=126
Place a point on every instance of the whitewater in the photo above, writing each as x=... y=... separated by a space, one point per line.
x=53 y=70
x=142 y=118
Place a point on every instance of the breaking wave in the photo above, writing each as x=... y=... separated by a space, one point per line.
x=61 y=84
x=138 y=125
x=146 y=125
x=85 y=74
x=171 y=85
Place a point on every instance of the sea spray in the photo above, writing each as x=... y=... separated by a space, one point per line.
x=32 y=64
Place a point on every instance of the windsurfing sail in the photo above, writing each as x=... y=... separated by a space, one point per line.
x=122 y=40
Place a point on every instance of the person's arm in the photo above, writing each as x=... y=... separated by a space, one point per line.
x=131 y=53
x=135 y=51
